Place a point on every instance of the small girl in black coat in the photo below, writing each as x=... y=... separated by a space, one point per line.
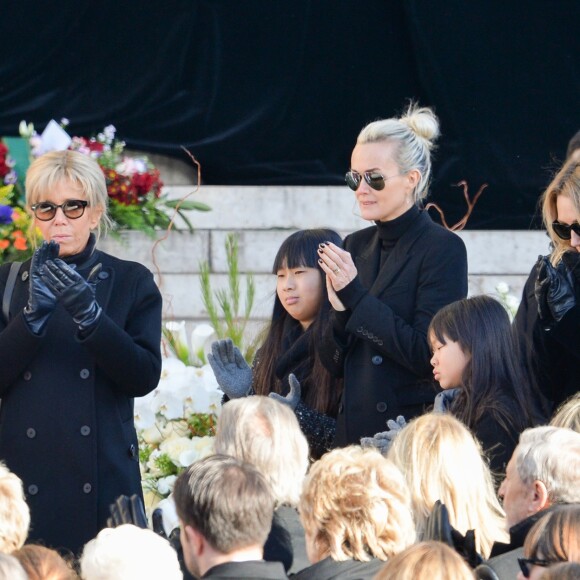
x=287 y=365
x=475 y=361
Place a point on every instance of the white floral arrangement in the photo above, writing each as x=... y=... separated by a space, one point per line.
x=175 y=423
x=509 y=301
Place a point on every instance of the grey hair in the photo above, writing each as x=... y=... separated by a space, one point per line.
x=551 y=455
x=414 y=134
x=266 y=433
x=14 y=512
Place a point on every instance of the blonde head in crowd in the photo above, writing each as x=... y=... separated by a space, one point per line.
x=42 y=563
x=426 y=561
x=567 y=184
x=568 y=414
x=441 y=460
x=413 y=135
x=266 y=434
x=355 y=505
x=14 y=512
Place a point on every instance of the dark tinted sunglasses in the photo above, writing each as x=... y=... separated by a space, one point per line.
x=525 y=564
x=564 y=230
x=375 y=179
x=72 y=209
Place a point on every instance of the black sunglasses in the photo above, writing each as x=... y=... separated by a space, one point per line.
x=375 y=179
x=72 y=209
x=564 y=230
x=525 y=564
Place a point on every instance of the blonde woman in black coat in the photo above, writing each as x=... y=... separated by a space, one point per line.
x=81 y=338
x=390 y=279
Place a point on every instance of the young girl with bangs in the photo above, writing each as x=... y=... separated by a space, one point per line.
x=287 y=366
x=476 y=364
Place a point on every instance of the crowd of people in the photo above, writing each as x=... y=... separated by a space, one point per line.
x=388 y=427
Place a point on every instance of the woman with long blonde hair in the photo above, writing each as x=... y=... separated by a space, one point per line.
x=441 y=460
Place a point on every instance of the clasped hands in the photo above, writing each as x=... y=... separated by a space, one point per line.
x=53 y=281
x=339 y=268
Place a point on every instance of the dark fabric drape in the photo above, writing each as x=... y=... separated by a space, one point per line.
x=269 y=92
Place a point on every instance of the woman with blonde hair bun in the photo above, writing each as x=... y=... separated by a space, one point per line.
x=441 y=460
x=426 y=561
x=356 y=512
x=390 y=279
x=568 y=414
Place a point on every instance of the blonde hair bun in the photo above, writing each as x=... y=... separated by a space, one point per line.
x=423 y=122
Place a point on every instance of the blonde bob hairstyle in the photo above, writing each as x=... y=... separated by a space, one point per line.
x=441 y=460
x=355 y=505
x=426 y=561
x=413 y=134
x=556 y=535
x=568 y=414
x=51 y=168
x=265 y=433
x=42 y=563
x=14 y=512
x=566 y=183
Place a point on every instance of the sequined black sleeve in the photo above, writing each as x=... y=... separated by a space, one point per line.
x=318 y=428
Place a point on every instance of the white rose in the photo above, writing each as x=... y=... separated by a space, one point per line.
x=165 y=484
x=175 y=446
x=202 y=447
x=502 y=288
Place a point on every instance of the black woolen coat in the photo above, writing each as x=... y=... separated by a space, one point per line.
x=551 y=351
x=66 y=418
x=380 y=342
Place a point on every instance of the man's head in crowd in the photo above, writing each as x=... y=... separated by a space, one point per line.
x=225 y=507
x=544 y=470
x=14 y=512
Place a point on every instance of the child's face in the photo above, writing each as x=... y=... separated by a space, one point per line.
x=448 y=361
x=300 y=292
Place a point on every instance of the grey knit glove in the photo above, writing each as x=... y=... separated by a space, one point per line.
x=382 y=441
x=444 y=400
x=233 y=374
x=293 y=397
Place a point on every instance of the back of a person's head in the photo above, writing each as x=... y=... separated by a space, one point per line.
x=441 y=460
x=355 y=505
x=228 y=501
x=555 y=537
x=562 y=571
x=14 y=512
x=426 y=561
x=42 y=563
x=10 y=568
x=551 y=455
x=568 y=414
x=129 y=553
x=266 y=434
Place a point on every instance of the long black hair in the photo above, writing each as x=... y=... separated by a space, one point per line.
x=482 y=328
x=320 y=390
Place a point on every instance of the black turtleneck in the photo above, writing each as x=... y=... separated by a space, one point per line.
x=86 y=257
x=390 y=231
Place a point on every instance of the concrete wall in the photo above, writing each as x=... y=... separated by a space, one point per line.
x=263 y=216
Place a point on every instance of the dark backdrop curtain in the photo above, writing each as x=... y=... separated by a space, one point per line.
x=272 y=92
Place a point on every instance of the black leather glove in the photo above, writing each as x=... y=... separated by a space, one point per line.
x=75 y=293
x=571 y=260
x=439 y=528
x=41 y=299
x=554 y=290
x=127 y=510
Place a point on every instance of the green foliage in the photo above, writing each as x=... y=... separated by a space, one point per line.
x=223 y=305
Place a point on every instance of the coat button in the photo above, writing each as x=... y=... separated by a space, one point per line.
x=27 y=375
x=132 y=450
x=24 y=276
x=31 y=433
x=359 y=329
x=381 y=407
x=103 y=275
x=377 y=359
x=85 y=430
x=85 y=373
x=33 y=489
x=87 y=488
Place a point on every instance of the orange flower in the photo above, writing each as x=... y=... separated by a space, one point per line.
x=4 y=244
x=20 y=244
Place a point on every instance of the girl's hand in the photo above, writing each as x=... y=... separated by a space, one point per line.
x=338 y=266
